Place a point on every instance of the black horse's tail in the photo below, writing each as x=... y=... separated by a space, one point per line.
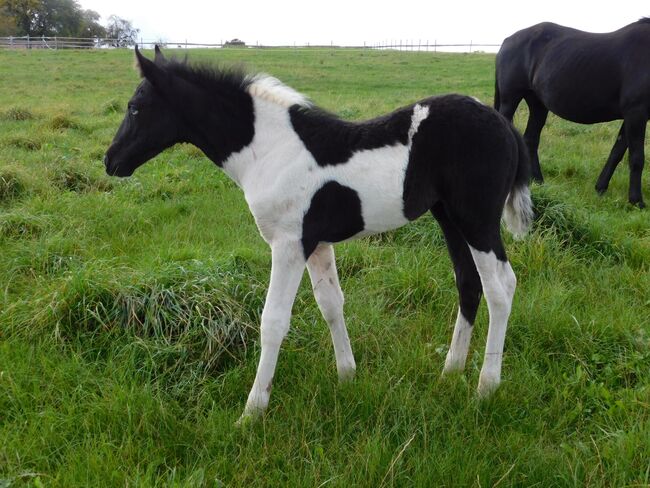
x=518 y=211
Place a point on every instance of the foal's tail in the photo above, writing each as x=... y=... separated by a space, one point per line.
x=518 y=211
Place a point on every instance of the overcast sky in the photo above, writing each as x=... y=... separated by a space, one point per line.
x=350 y=22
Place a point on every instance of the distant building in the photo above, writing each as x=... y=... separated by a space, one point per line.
x=235 y=43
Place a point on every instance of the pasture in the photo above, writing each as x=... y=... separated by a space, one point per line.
x=129 y=309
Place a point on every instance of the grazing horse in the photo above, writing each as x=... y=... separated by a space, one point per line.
x=311 y=179
x=582 y=77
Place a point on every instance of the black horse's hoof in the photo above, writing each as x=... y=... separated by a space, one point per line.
x=638 y=203
x=538 y=179
x=601 y=191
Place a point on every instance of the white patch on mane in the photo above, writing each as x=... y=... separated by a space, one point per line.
x=273 y=90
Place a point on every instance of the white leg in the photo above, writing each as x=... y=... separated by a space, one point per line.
x=288 y=264
x=499 y=284
x=327 y=290
x=457 y=354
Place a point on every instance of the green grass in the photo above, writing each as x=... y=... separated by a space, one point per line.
x=129 y=308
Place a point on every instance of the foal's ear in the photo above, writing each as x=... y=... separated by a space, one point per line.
x=148 y=69
x=159 y=58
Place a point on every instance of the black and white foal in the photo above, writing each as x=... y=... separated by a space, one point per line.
x=311 y=179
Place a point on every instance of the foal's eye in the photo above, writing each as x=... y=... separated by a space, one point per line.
x=133 y=111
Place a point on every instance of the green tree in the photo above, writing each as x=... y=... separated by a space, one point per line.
x=18 y=15
x=90 y=26
x=121 y=32
x=8 y=25
x=49 y=18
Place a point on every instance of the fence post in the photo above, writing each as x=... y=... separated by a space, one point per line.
x=28 y=46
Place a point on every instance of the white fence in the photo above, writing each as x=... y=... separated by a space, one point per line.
x=97 y=43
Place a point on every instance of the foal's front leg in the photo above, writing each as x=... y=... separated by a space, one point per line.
x=288 y=264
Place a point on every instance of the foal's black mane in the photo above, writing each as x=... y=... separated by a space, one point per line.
x=643 y=20
x=209 y=76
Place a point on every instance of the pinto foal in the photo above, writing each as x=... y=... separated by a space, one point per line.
x=311 y=179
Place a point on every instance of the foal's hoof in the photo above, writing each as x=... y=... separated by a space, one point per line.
x=487 y=386
x=247 y=419
x=347 y=375
x=601 y=190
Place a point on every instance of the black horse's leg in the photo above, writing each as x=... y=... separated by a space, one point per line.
x=507 y=108
x=635 y=122
x=618 y=151
x=536 y=121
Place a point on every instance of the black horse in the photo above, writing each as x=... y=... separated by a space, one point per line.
x=582 y=77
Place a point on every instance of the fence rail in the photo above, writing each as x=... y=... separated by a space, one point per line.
x=28 y=42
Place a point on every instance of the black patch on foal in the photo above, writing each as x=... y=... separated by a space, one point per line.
x=333 y=141
x=333 y=216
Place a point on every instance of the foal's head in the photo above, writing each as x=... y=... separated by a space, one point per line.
x=209 y=107
x=152 y=122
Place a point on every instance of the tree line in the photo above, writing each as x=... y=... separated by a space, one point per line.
x=61 y=18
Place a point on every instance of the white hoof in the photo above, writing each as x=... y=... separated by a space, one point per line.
x=346 y=375
x=487 y=386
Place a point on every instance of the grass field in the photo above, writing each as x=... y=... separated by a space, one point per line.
x=129 y=308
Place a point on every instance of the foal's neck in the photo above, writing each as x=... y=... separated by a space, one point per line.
x=273 y=146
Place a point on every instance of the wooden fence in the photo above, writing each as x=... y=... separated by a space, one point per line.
x=97 y=43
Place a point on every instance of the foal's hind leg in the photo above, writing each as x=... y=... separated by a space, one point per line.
x=536 y=121
x=325 y=283
x=615 y=156
x=499 y=283
x=469 y=290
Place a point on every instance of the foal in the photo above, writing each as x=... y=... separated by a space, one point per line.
x=311 y=179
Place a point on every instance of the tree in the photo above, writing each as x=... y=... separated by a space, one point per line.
x=18 y=15
x=48 y=18
x=90 y=26
x=8 y=25
x=121 y=32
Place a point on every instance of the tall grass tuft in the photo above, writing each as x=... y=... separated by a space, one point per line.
x=571 y=228
x=18 y=114
x=77 y=178
x=13 y=184
x=183 y=318
x=20 y=225
x=61 y=122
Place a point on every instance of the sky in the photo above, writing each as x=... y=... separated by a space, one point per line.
x=350 y=22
